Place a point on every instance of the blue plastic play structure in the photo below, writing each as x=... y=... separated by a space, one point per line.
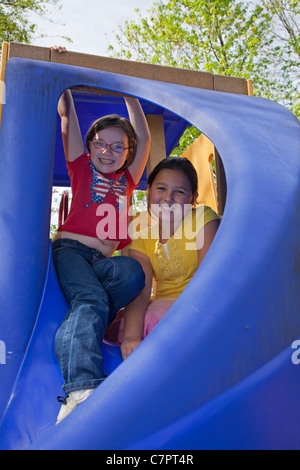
x=217 y=372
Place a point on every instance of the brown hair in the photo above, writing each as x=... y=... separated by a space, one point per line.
x=113 y=120
x=177 y=164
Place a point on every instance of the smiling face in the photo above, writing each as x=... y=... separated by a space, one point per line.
x=171 y=192
x=106 y=160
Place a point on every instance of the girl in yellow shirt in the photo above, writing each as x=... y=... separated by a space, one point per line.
x=171 y=249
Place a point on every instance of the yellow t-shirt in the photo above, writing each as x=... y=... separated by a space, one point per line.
x=174 y=266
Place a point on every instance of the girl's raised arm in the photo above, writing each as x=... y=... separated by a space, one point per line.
x=71 y=134
x=139 y=123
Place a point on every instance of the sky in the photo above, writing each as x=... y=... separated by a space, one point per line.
x=89 y=23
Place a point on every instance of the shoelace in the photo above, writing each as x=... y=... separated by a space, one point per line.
x=62 y=400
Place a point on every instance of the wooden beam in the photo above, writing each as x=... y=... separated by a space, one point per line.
x=230 y=84
x=29 y=52
x=221 y=183
x=135 y=69
x=4 y=56
x=158 y=146
x=161 y=73
x=249 y=87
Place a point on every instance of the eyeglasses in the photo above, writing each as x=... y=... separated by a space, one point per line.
x=116 y=147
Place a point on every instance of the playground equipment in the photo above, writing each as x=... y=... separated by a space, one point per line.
x=217 y=372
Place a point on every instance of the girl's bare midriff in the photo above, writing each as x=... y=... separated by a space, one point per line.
x=106 y=247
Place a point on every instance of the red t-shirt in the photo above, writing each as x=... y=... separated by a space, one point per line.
x=100 y=203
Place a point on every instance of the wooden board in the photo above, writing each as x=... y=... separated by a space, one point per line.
x=161 y=73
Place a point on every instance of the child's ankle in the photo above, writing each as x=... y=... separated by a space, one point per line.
x=81 y=395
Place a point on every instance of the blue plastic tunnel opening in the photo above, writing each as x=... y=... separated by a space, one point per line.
x=239 y=312
x=90 y=106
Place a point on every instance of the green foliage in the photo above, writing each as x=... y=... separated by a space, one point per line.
x=15 y=24
x=256 y=40
x=188 y=137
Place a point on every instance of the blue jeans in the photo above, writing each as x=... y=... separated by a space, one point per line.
x=95 y=288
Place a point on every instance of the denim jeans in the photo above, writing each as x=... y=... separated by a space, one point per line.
x=95 y=288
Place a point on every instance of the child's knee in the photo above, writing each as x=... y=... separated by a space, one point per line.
x=133 y=272
x=137 y=273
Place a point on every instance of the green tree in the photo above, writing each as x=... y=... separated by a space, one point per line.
x=285 y=25
x=286 y=43
x=16 y=23
x=226 y=37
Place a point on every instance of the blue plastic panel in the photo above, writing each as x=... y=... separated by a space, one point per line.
x=240 y=311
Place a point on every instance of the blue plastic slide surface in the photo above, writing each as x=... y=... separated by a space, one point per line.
x=217 y=372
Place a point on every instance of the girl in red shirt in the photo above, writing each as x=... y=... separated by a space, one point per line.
x=96 y=284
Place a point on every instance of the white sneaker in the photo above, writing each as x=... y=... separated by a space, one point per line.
x=71 y=402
